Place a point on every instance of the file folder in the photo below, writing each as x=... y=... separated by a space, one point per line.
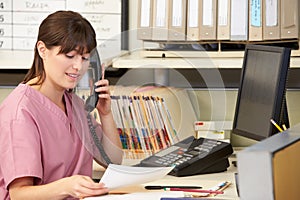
x=289 y=19
x=239 y=20
x=255 y=20
x=177 y=20
x=223 y=28
x=193 y=15
x=144 y=31
x=208 y=22
x=160 y=20
x=271 y=19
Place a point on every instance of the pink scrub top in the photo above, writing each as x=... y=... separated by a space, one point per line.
x=39 y=140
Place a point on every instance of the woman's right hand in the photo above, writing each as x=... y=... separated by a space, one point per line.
x=79 y=186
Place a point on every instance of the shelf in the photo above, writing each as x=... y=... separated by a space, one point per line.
x=188 y=59
x=16 y=59
x=179 y=59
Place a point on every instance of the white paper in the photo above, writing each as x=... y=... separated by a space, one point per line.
x=116 y=176
x=139 y=196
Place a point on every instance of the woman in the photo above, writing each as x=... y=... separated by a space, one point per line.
x=44 y=151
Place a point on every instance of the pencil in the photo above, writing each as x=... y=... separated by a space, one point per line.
x=276 y=125
x=283 y=126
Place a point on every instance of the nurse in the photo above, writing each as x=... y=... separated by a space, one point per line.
x=45 y=143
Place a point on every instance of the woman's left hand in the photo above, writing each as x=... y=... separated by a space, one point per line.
x=104 y=102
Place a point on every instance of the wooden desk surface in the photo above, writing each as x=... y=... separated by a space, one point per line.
x=206 y=181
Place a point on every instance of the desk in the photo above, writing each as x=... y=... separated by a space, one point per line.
x=205 y=180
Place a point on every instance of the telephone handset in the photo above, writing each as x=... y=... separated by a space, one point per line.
x=94 y=74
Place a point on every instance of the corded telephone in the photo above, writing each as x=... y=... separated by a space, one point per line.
x=94 y=74
x=192 y=156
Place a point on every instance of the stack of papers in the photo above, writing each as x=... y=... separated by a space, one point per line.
x=117 y=176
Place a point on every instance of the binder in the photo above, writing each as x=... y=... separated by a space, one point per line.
x=255 y=20
x=289 y=19
x=271 y=19
x=177 y=20
x=193 y=15
x=223 y=27
x=145 y=9
x=160 y=20
x=208 y=22
x=239 y=20
x=272 y=163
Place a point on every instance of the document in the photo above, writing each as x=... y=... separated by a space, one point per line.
x=116 y=176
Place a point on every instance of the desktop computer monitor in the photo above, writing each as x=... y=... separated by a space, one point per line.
x=261 y=95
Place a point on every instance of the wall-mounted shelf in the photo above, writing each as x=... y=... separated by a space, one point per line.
x=179 y=59
x=15 y=59
x=188 y=59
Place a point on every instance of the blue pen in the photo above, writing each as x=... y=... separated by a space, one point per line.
x=219 y=186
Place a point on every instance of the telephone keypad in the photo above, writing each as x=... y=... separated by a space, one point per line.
x=193 y=156
x=182 y=155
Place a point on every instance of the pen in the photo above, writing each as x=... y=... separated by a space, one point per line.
x=195 y=190
x=276 y=125
x=220 y=186
x=159 y=187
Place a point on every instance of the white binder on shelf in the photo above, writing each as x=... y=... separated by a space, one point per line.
x=271 y=19
x=239 y=20
x=192 y=26
x=177 y=20
x=223 y=27
x=208 y=20
x=144 y=31
x=160 y=20
x=255 y=20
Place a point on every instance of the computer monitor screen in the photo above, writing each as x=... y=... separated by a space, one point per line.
x=261 y=95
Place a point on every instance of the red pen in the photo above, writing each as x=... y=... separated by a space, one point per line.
x=195 y=190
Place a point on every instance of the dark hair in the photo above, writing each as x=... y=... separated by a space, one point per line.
x=66 y=29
